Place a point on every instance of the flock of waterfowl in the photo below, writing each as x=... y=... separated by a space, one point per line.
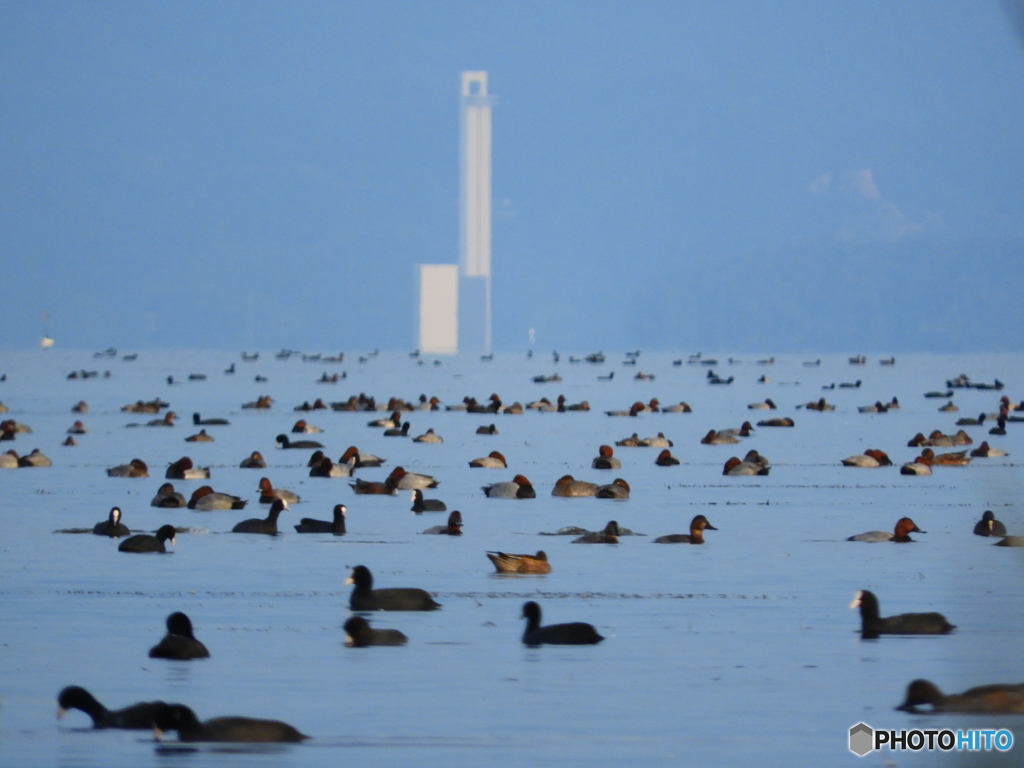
x=181 y=644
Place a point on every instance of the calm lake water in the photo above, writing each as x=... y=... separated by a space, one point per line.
x=715 y=655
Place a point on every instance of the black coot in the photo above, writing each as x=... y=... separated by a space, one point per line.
x=419 y=504
x=872 y=625
x=365 y=598
x=179 y=643
x=360 y=634
x=136 y=717
x=177 y=717
x=989 y=526
x=336 y=526
x=576 y=633
x=143 y=542
x=266 y=526
x=112 y=526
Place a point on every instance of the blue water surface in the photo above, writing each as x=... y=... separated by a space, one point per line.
x=723 y=654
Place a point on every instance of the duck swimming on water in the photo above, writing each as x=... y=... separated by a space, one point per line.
x=518 y=488
x=567 y=485
x=134 y=468
x=505 y=563
x=904 y=527
x=205 y=499
x=254 y=460
x=605 y=459
x=610 y=535
x=167 y=497
x=696 y=535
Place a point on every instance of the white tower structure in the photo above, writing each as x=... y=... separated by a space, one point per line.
x=439 y=309
x=475 y=234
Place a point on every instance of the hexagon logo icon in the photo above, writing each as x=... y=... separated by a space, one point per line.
x=862 y=739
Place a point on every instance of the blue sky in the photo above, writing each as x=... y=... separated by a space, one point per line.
x=732 y=176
